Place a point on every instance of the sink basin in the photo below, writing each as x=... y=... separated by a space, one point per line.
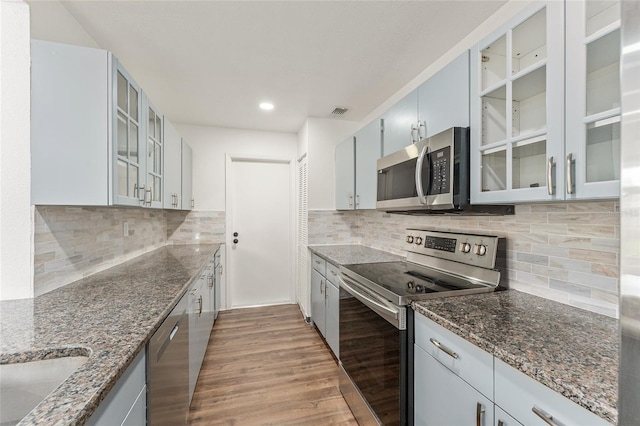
x=23 y=385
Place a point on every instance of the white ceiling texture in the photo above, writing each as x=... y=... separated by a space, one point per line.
x=212 y=62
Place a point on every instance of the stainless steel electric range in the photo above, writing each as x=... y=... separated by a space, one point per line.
x=376 y=322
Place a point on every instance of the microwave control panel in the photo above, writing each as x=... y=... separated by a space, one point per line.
x=440 y=163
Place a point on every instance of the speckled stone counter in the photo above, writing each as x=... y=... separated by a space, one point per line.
x=347 y=254
x=572 y=351
x=108 y=316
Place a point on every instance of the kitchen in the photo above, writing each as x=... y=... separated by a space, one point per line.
x=542 y=265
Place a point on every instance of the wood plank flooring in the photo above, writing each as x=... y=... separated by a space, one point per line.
x=265 y=366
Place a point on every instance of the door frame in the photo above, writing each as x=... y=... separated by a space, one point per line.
x=229 y=198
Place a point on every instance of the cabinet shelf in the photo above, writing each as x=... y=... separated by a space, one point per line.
x=600 y=16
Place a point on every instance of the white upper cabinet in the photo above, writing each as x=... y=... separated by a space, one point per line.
x=443 y=100
x=517 y=109
x=356 y=168
x=188 y=202
x=400 y=124
x=96 y=139
x=129 y=160
x=345 y=174
x=593 y=99
x=172 y=167
x=368 y=150
x=154 y=136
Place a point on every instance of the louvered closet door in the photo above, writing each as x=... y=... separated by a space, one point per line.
x=303 y=236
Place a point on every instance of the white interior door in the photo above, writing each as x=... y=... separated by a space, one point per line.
x=259 y=210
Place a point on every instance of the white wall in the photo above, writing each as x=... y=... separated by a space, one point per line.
x=210 y=144
x=322 y=136
x=16 y=224
x=51 y=21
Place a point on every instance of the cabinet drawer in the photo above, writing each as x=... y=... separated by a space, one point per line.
x=471 y=363
x=518 y=394
x=332 y=274
x=319 y=264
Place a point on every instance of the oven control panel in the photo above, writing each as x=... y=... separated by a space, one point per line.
x=473 y=249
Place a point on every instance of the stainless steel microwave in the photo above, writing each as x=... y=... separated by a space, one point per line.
x=431 y=176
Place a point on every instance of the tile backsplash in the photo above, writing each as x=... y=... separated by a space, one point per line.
x=73 y=242
x=567 y=252
x=195 y=227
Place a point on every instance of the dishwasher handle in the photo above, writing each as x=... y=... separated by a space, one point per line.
x=167 y=341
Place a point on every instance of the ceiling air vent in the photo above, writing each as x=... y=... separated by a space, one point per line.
x=339 y=112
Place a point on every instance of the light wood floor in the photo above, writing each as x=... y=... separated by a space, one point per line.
x=265 y=366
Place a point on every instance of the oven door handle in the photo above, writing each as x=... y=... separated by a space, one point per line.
x=369 y=301
x=419 y=189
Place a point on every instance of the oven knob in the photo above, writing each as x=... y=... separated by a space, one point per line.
x=410 y=285
x=419 y=241
x=409 y=239
x=465 y=247
x=419 y=288
x=480 y=249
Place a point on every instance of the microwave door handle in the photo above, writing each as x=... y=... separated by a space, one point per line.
x=419 y=189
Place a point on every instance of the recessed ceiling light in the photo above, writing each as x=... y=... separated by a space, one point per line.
x=267 y=106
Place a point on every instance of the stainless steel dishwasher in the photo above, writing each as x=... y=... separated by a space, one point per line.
x=168 y=374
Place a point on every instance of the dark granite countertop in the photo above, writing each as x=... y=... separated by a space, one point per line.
x=347 y=254
x=570 y=350
x=108 y=316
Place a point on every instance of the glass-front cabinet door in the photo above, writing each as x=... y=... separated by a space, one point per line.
x=128 y=188
x=593 y=99
x=517 y=108
x=154 y=150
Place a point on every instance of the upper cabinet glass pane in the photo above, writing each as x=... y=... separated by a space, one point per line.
x=528 y=163
x=529 y=106
x=603 y=73
x=133 y=142
x=529 y=42
x=122 y=92
x=494 y=116
x=158 y=128
x=494 y=63
x=133 y=103
x=603 y=150
x=151 y=125
x=599 y=14
x=122 y=135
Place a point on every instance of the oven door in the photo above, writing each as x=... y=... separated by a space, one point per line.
x=374 y=355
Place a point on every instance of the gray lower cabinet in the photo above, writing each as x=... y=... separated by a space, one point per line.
x=126 y=404
x=487 y=390
x=325 y=297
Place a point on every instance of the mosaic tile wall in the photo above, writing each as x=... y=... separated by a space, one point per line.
x=567 y=252
x=73 y=242
x=195 y=227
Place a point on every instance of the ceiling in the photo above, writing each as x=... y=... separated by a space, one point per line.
x=212 y=62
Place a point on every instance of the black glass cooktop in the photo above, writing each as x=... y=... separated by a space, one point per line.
x=409 y=281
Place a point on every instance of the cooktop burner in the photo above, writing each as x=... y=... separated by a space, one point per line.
x=439 y=264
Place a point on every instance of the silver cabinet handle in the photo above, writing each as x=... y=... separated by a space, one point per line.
x=199 y=305
x=321 y=287
x=211 y=281
x=148 y=192
x=416 y=129
x=550 y=186
x=569 y=174
x=350 y=200
x=317 y=262
x=479 y=413
x=500 y=423
x=421 y=197
x=193 y=203
x=334 y=273
x=547 y=418
x=443 y=348
x=139 y=189
x=422 y=125
x=326 y=291
x=357 y=200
